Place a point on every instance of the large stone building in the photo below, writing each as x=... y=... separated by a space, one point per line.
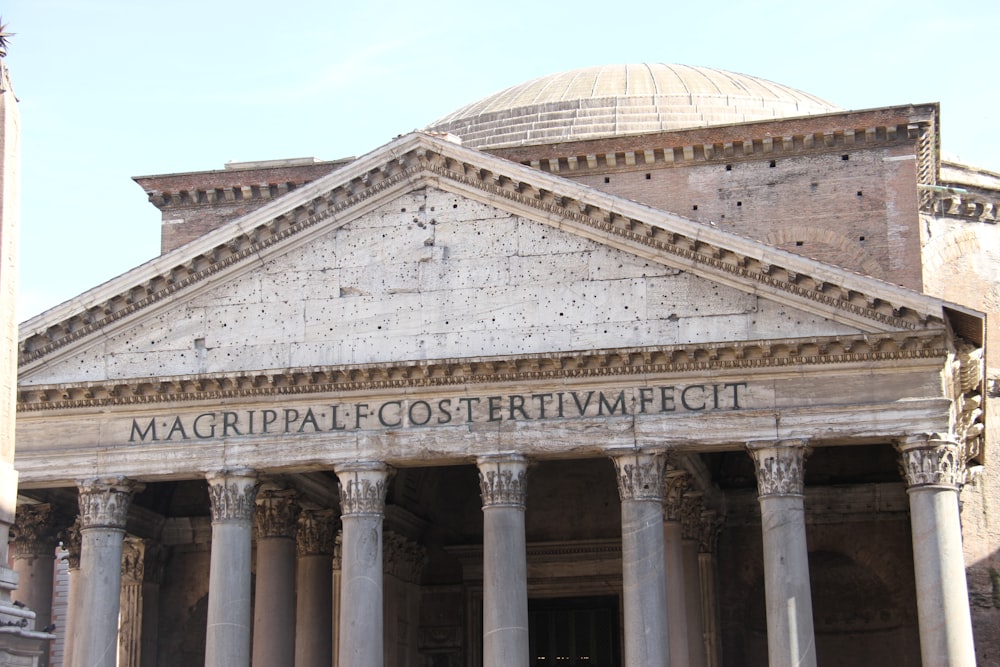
x=638 y=365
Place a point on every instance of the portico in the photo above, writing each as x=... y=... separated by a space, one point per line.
x=506 y=491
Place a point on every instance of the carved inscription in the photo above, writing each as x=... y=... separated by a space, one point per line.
x=420 y=413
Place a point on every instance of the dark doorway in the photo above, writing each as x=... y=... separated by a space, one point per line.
x=574 y=631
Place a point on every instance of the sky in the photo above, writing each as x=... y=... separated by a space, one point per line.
x=111 y=89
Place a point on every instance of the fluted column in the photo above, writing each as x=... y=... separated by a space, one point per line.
x=692 y=505
x=503 y=485
x=227 y=638
x=103 y=510
x=934 y=468
x=72 y=542
x=142 y=572
x=316 y=534
x=711 y=524
x=274 y=597
x=362 y=502
x=677 y=482
x=788 y=602
x=640 y=485
x=34 y=552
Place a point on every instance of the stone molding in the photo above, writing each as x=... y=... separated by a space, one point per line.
x=363 y=487
x=232 y=495
x=779 y=467
x=751 y=355
x=969 y=206
x=142 y=561
x=402 y=558
x=676 y=484
x=640 y=475
x=503 y=480
x=34 y=532
x=419 y=159
x=72 y=541
x=317 y=532
x=105 y=503
x=276 y=515
x=932 y=461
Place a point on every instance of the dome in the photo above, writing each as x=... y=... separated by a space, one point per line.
x=615 y=100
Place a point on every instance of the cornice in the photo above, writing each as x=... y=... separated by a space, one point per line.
x=444 y=373
x=681 y=153
x=419 y=159
x=969 y=206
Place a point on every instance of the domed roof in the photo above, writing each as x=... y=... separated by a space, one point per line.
x=613 y=100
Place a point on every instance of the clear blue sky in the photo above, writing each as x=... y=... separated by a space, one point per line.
x=111 y=89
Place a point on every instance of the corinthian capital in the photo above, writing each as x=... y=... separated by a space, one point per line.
x=317 y=532
x=502 y=480
x=34 y=532
x=362 y=488
x=675 y=485
x=640 y=475
x=105 y=503
x=277 y=512
x=232 y=495
x=72 y=541
x=779 y=467
x=932 y=461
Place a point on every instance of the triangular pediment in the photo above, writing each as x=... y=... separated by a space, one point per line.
x=423 y=251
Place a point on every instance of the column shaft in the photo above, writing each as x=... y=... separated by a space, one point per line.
x=103 y=511
x=362 y=501
x=314 y=589
x=34 y=550
x=274 y=597
x=788 y=601
x=692 y=605
x=676 y=485
x=505 y=578
x=72 y=544
x=935 y=470
x=227 y=637
x=640 y=485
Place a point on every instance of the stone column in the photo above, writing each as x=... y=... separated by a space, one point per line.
x=691 y=519
x=640 y=485
x=505 y=577
x=274 y=597
x=362 y=503
x=227 y=639
x=72 y=543
x=788 y=602
x=935 y=471
x=103 y=510
x=34 y=551
x=677 y=482
x=711 y=524
x=403 y=561
x=142 y=573
x=317 y=532
x=337 y=572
